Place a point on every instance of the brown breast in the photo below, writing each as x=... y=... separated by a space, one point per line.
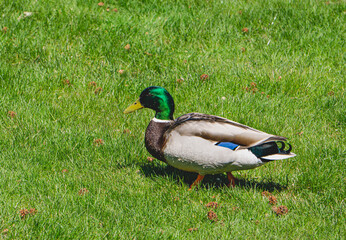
x=155 y=138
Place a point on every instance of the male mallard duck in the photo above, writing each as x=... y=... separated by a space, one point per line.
x=204 y=144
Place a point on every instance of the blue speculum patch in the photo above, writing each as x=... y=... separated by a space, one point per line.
x=229 y=145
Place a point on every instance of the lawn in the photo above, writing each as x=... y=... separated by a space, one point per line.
x=73 y=166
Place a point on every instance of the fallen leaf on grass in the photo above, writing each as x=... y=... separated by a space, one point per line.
x=281 y=210
x=115 y=10
x=272 y=200
x=98 y=90
x=4 y=29
x=300 y=133
x=204 y=77
x=212 y=205
x=98 y=142
x=127 y=47
x=252 y=88
x=33 y=211
x=92 y=84
x=25 y=212
x=245 y=30
x=12 y=114
x=212 y=216
x=150 y=159
x=192 y=229
x=266 y=194
x=64 y=171
x=243 y=49
x=100 y=4
x=121 y=71
x=66 y=82
x=83 y=191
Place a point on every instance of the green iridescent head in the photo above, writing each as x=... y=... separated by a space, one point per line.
x=156 y=98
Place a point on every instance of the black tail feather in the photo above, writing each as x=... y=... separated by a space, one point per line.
x=270 y=148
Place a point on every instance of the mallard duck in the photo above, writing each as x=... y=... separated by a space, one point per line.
x=202 y=143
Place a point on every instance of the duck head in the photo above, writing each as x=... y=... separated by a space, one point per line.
x=157 y=99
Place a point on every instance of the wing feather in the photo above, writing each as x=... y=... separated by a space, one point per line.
x=220 y=129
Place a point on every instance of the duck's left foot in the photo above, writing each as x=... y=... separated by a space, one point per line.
x=231 y=179
x=197 y=181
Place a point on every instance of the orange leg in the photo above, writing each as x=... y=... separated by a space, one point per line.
x=197 y=181
x=231 y=179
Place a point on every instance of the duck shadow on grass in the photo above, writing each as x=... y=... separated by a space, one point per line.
x=210 y=181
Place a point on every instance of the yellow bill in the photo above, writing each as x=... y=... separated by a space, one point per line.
x=133 y=107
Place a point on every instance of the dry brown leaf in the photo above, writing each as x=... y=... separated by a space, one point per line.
x=127 y=47
x=98 y=90
x=33 y=211
x=12 y=114
x=121 y=71
x=98 y=142
x=150 y=159
x=192 y=229
x=272 y=200
x=204 y=77
x=92 y=84
x=212 y=216
x=23 y=213
x=212 y=205
x=245 y=30
x=281 y=210
x=4 y=29
x=66 y=82
x=100 y=4
x=83 y=191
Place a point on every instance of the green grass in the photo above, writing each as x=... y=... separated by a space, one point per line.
x=294 y=52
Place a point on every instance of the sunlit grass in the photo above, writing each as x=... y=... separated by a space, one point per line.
x=285 y=76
